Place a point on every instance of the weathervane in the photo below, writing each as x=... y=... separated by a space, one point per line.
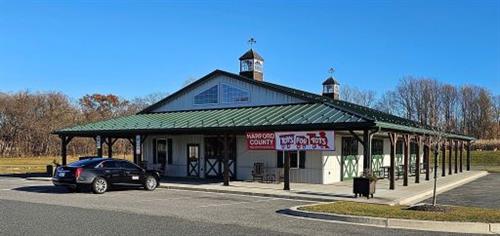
x=331 y=71
x=251 y=42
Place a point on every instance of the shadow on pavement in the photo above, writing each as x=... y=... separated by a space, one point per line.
x=64 y=190
x=26 y=175
x=191 y=181
x=44 y=189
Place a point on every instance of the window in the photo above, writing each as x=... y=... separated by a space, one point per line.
x=209 y=96
x=246 y=65
x=128 y=165
x=258 y=66
x=233 y=95
x=161 y=151
x=413 y=148
x=349 y=146
x=377 y=147
x=295 y=161
x=399 y=147
x=107 y=164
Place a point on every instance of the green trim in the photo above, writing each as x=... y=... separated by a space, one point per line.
x=350 y=165
x=424 y=131
x=377 y=163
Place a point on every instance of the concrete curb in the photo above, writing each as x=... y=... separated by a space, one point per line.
x=440 y=189
x=426 y=225
x=304 y=198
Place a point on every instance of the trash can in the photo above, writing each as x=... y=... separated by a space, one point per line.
x=50 y=170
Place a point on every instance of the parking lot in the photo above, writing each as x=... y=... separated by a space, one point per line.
x=161 y=211
x=483 y=192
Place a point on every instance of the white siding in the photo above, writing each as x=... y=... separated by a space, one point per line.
x=312 y=173
x=320 y=167
x=258 y=96
x=332 y=162
x=179 y=153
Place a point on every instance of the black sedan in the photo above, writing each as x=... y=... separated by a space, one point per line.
x=101 y=173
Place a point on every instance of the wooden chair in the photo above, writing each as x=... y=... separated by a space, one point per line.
x=258 y=171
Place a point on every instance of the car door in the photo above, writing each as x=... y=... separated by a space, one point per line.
x=111 y=171
x=132 y=174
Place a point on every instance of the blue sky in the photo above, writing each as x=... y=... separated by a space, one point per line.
x=134 y=48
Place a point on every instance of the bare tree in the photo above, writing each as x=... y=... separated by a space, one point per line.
x=361 y=97
x=388 y=103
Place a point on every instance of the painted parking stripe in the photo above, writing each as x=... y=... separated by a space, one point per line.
x=239 y=203
x=242 y=195
x=165 y=199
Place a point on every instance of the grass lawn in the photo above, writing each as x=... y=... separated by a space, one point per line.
x=20 y=165
x=462 y=214
x=486 y=160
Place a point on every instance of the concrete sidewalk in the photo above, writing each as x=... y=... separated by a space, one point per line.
x=331 y=192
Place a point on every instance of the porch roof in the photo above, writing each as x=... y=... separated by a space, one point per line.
x=277 y=117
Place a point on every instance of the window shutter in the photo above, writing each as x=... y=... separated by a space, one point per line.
x=155 y=154
x=169 y=151
x=279 y=159
x=302 y=159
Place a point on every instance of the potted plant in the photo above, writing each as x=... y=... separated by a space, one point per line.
x=365 y=184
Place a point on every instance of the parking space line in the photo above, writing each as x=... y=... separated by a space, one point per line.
x=243 y=195
x=164 y=199
x=238 y=203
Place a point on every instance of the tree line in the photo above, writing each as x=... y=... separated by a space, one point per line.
x=465 y=109
x=28 y=118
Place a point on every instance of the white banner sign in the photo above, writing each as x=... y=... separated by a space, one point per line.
x=305 y=140
x=138 y=144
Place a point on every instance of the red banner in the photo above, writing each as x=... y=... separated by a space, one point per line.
x=261 y=141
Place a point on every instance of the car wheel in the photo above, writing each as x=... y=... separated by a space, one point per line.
x=150 y=183
x=100 y=185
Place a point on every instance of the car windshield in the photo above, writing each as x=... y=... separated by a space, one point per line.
x=83 y=163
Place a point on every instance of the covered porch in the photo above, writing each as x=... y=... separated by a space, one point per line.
x=227 y=123
x=341 y=191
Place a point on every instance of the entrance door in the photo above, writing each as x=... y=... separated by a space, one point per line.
x=193 y=160
x=349 y=154
x=214 y=157
x=161 y=153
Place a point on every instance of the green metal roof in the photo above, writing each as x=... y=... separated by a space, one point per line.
x=313 y=115
x=320 y=112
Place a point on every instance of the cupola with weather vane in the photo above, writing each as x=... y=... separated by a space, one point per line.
x=331 y=87
x=252 y=64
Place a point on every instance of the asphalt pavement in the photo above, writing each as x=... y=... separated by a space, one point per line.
x=483 y=192
x=38 y=208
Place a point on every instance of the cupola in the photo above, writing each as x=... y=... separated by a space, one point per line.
x=252 y=64
x=331 y=87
